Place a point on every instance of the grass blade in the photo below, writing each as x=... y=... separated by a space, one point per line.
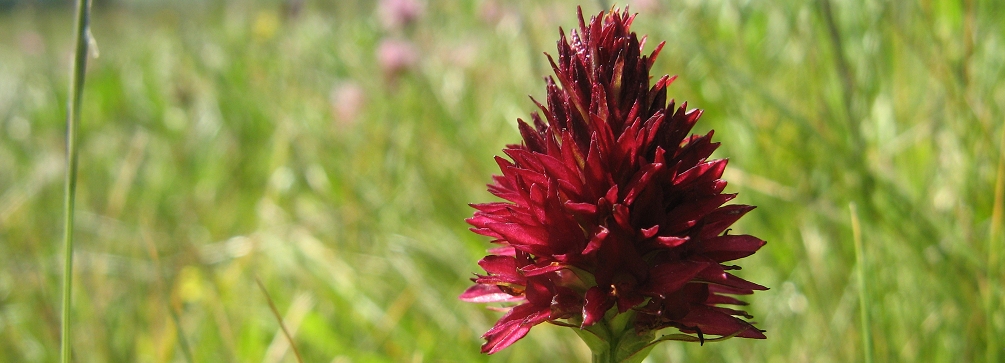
x=186 y=350
x=863 y=291
x=83 y=16
x=279 y=318
x=992 y=285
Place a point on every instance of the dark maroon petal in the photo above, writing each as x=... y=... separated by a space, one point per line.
x=540 y=291
x=650 y=232
x=687 y=215
x=566 y=303
x=714 y=299
x=531 y=137
x=671 y=241
x=629 y=299
x=523 y=237
x=715 y=274
x=498 y=265
x=513 y=326
x=581 y=208
x=733 y=312
x=530 y=176
x=499 y=280
x=596 y=240
x=534 y=270
x=696 y=149
x=611 y=198
x=640 y=181
x=736 y=282
x=720 y=289
x=597 y=304
x=485 y=232
x=717 y=221
x=491 y=207
x=656 y=52
x=712 y=321
x=701 y=173
x=669 y=277
x=595 y=170
x=730 y=247
x=622 y=215
x=681 y=123
x=558 y=170
x=503 y=251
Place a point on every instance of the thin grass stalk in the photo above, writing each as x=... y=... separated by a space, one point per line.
x=846 y=76
x=186 y=350
x=83 y=19
x=863 y=291
x=993 y=285
x=279 y=318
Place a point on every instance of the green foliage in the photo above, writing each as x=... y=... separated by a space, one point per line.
x=211 y=154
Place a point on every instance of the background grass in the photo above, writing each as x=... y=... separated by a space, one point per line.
x=211 y=154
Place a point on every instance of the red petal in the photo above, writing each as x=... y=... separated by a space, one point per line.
x=521 y=235
x=687 y=215
x=595 y=242
x=531 y=137
x=503 y=251
x=487 y=294
x=486 y=232
x=701 y=173
x=650 y=232
x=597 y=304
x=671 y=241
x=640 y=181
x=581 y=208
x=491 y=207
x=669 y=277
x=716 y=222
x=730 y=247
x=712 y=321
x=513 y=326
x=498 y=265
x=736 y=282
x=714 y=299
x=532 y=270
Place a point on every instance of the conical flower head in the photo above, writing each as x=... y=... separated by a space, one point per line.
x=610 y=205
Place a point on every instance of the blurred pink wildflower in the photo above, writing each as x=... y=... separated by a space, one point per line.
x=399 y=14
x=395 y=57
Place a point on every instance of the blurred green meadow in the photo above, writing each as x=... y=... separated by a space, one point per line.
x=293 y=142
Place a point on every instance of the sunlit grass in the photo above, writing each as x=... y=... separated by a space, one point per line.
x=213 y=155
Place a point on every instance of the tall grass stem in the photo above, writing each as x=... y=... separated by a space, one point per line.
x=279 y=318
x=846 y=76
x=863 y=290
x=82 y=31
x=993 y=283
x=186 y=350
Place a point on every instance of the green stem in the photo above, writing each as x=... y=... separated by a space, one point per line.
x=608 y=355
x=83 y=16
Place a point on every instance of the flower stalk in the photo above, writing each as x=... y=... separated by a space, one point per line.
x=82 y=31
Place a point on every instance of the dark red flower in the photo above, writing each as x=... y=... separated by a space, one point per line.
x=610 y=205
